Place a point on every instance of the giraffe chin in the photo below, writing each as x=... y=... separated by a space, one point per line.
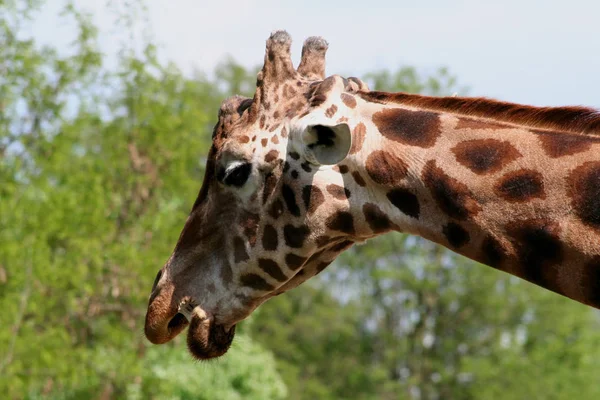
x=206 y=339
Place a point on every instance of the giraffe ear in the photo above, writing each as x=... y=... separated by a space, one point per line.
x=327 y=144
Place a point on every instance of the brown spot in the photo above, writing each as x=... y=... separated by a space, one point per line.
x=254 y=138
x=226 y=273
x=239 y=250
x=249 y=226
x=539 y=250
x=322 y=241
x=294 y=262
x=341 y=221
x=415 y=128
x=275 y=139
x=493 y=254
x=405 y=201
x=284 y=132
x=295 y=235
x=358 y=179
x=584 y=190
x=320 y=94
x=385 y=168
x=243 y=139
x=262 y=122
x=348 y=100
x=276 y=209
x=294 y=155
x=272 y=268
x=377 y=220
x=322 y=266
x=264 y=142
x=276 y=114
x=271 y=156
x=453 y=197
x=345 y=245
x=557 y=144
x=521 y=185
x=456 y=235
x=342 y=169
x=290 y=200
x=270 y=183
x=472 y=123
x=269 y=239
x=312 y=197
x=330 y=112
x=591 y=282
x=358 y=137
x=485 y=156
x=256 y=282
x=339 y=192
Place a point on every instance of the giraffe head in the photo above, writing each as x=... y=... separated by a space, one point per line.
x=273 y=209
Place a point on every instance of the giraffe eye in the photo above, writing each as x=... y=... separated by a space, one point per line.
x=235 y=175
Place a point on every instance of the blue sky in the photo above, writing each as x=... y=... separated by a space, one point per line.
x=534 y=52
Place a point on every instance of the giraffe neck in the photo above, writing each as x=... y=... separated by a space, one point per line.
x=522 y=200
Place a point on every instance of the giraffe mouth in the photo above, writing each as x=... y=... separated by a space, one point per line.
x=206 y=338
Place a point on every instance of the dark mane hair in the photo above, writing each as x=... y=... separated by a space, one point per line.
x=572 y=119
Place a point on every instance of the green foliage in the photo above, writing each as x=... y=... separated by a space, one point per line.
x=98 y=170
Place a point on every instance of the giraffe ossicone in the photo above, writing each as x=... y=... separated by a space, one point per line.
x=313 y=164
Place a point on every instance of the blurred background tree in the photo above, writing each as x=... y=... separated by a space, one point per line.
x=99 y=167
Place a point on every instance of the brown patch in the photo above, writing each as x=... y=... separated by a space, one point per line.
x=226 y=273
x=339 y=192
x=539 y=250
x=269 y=239
x=271 y=156
x=330 y=112
x=472 y=123
x=323 y=240
x=322 y=266
x=344 y=245
x=275 y=139
x=453 y=197
x=295 y=236
x=272 y=269
x=492 y=252
x=358 y=138
x=591 y=282
x=239 y=250
x=485 y=156
x=584 y=189
x=320 y=94
x=249 y=226
x=276 y=209
x=456 y=235
x=243 y=139
x=342 y=169
x=557 y=144
x=262 y=121
x=284 y=132
x=405 y=201
x=290 y=200
x=377 y=219
x=270 y=184
x=254 y=138
x=348 y=100
x=414 y=128
x=294 y=262
x=341 y=221
x=313 y=197
x=256 y=282
x=566 y=119
x=521 y=185
x=385 y=168
x=358 y=179
x=264 y=142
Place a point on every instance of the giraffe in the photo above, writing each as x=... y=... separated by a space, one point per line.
x=312 y=165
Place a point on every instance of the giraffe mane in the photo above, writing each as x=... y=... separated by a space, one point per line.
x=571 y=119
